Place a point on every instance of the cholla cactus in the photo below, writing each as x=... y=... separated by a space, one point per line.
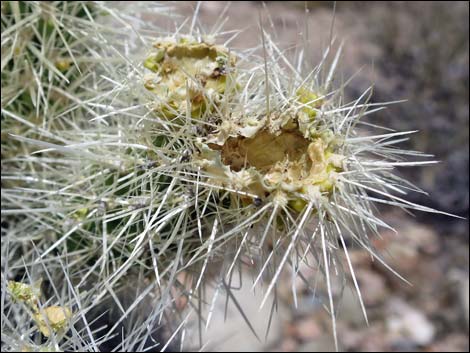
x=47 y=54
x=55 y=56
x=195 y=157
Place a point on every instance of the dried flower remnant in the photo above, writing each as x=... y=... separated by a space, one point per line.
x=187 y=71
x=50 y=319
x=26 y=293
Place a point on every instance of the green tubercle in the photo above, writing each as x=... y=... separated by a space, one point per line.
x=310 y=101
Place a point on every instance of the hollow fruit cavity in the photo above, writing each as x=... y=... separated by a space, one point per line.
x=271 y=159
x=263 y=151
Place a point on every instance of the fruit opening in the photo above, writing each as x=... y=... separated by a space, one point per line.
x=264 y=150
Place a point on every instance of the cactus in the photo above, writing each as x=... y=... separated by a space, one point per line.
x=188 y=157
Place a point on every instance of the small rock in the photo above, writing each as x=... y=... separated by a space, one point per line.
x=359 y=257
x=307 y=329
x=324 y=344
x=288 y=345
x=422 y=237
x=349 y=309
x=454 y=342
x=406 y=324
x=372 y=286
x=399 y=252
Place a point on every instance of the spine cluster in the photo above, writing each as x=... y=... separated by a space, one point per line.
x=139 y=168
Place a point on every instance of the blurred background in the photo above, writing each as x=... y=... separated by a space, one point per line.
x=417 y=51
